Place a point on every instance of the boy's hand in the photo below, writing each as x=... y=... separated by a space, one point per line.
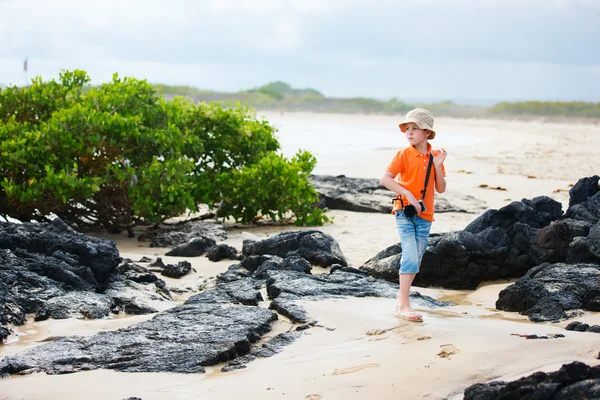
x=413 y=200
x=438 y=160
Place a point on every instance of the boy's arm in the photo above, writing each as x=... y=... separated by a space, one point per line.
x=388 y=181
x=440 y=180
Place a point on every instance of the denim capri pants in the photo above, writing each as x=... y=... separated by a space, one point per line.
x=414 y=236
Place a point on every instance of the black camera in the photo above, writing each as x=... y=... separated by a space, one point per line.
x=410 y=210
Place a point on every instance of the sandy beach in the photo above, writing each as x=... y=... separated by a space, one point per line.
x=369 y=353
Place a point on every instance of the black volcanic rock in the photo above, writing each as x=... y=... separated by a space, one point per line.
x=222 y=251
x=181 y=233
x=572 y=381
x=367 y=195
x=312 y=245
x=548 y=290
x=177 y=271
x=207 y=329
x=194 y=248
x=41 y=262
x=503 y=244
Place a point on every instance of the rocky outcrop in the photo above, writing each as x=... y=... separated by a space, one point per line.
x=582 y=327
x=134 y=298
x=222 y=251
x=312 y=245
x=177 y=271
x=76 y=305
x=506 y=243
x=548 y=291
x=268 y=349
x=41 y=264
x=584 y=200
x=55 y=251
x=219 y=324
x=55 y=272
x=209 y=328
x=286 y=287
x=193 y=248
x=367 y=195
x=572 y=381
x=180 y=233
x=496 y=245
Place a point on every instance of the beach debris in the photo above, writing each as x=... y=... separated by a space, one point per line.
x=314 y=396
x=447 y=351
x=485 y=186
x=421 y=338
x=533 y=336
x=303 y=327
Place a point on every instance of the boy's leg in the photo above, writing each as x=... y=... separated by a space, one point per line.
x=423 y=228
x=409 y=263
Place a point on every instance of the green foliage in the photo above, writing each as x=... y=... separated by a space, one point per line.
x=272 y=187
x=549 y=108
x=269 y=92
x=118 y=155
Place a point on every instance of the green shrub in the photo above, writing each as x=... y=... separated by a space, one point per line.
x=118 y=155
x=548 y=108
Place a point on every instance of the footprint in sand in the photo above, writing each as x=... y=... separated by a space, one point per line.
x=377 y=331
x=447 y=351
x=354 y=369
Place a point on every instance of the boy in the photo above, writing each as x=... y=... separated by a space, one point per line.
x=410 y=167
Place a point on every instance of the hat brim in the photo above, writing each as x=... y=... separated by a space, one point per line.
x=420 y=124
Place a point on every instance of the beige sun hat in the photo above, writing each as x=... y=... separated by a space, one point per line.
x=420 y=116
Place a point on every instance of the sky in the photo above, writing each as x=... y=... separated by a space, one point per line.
x=460 y=50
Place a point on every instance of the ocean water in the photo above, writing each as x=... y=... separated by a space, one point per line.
x=350 y=148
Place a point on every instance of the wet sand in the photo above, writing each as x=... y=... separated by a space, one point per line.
x=370 y=353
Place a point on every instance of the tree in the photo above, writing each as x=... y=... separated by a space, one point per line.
x=119 y=155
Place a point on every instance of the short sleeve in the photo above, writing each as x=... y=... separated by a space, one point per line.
x=396 y=166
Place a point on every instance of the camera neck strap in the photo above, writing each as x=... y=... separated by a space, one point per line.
x=426 y=179
x=427 y=175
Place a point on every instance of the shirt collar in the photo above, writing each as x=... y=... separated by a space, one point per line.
x=416 y=152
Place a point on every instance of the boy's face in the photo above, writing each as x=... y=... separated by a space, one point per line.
x=414 y=134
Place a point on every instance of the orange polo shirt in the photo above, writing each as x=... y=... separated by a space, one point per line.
x=409 y=168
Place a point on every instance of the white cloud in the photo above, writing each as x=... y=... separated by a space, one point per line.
x=222 y=43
